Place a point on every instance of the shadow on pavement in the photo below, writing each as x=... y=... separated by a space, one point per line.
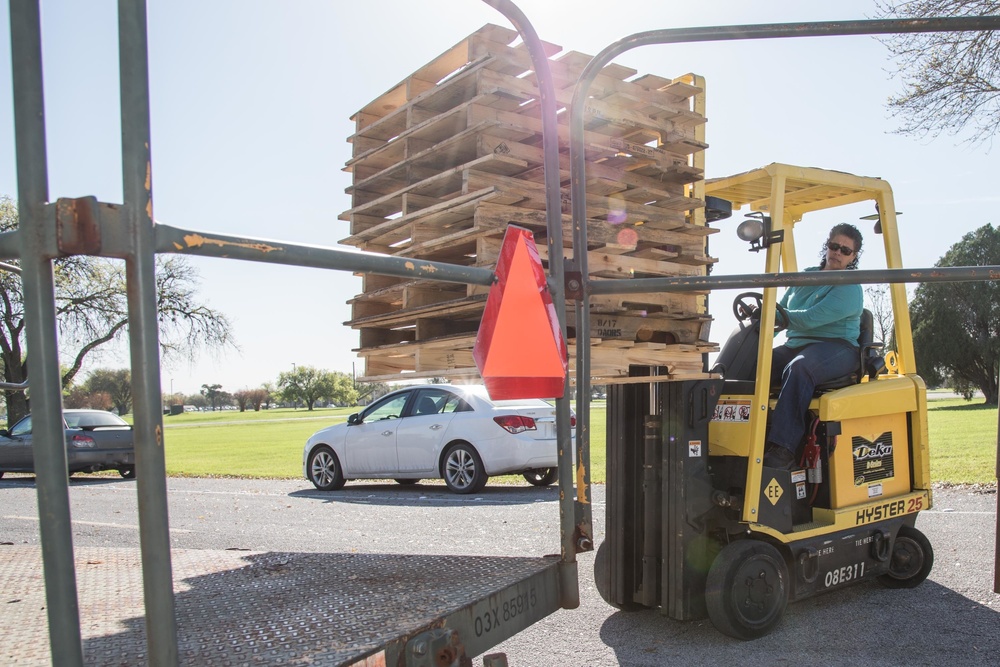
x=395 y=495
x=864 y=624
x=76 y=479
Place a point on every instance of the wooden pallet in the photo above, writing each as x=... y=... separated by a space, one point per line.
x=444 y=161
x=451 y=357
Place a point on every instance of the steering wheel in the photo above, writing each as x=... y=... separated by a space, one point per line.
x=746 y=306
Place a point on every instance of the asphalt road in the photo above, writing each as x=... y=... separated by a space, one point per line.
x=952 y=619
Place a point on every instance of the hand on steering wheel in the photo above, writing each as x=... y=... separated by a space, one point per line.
x=746 y=306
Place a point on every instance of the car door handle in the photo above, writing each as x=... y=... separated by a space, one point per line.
x=435 y=427
x=387 y=433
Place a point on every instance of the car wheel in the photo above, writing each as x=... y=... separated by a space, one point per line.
x=406 y=482
x=747 y=589
x=463 y=470
x=542 y=476
x=324 y=470
x=911 y=560
x=127 y=472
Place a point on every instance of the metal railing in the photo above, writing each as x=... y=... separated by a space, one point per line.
x=48 y=231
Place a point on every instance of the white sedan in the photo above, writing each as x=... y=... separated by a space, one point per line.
x=454 y=432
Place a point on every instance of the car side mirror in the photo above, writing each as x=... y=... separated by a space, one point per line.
x=4 y=432
x=354 y=419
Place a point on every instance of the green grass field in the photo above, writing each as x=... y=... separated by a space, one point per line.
x=269 y=443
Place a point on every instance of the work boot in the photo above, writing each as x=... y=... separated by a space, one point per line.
x=776 y=456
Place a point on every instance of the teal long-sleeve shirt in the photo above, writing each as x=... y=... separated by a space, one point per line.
x=823 y=312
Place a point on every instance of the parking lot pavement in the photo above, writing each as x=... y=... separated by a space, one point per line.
x=952 y=619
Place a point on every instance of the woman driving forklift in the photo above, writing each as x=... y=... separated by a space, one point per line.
x=822 y=344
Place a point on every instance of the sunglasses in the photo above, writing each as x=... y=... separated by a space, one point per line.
x=842 y=249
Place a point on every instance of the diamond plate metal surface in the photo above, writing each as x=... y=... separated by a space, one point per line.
x=250 y=608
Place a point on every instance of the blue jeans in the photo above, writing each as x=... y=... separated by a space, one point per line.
x=800 y=370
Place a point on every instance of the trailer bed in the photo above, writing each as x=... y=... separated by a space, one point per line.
x=245 y=607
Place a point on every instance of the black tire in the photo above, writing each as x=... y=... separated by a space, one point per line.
x=602 y=579
x=127 y=472
x=406 y=482
x=542 y=476
x=324 y=469
x=747 y=589
x=911 y=560
x=463 y=470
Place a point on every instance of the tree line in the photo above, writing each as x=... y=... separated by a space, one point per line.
x=306 y=386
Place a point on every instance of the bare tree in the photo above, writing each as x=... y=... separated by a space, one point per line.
x=92 y=311
x=879 y=302
x=80 y=397
x=242 y=398
x=258 y=397
x=951 y=80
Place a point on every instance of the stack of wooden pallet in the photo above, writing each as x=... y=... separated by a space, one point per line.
x=445 y=160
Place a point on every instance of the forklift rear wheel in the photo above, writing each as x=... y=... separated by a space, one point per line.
x=747 y=589
x=602 y=579
x=541 y=476
x=911 y=560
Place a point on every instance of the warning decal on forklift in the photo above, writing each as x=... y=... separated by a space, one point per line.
x=730 y=410
x=773 y=491
x=694 y=448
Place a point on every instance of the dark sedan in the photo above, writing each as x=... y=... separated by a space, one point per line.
x=95 y=440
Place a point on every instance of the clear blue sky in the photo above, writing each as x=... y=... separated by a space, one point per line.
x=251 y=102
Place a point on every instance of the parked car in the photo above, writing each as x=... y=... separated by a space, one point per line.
x=95 y=440
x=449 y=432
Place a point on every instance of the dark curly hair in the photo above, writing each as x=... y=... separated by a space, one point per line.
x=851 y=232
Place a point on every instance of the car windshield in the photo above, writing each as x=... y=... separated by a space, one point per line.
x=523 y=403
x=92 y=419
x=480 y=390
x=22 y=427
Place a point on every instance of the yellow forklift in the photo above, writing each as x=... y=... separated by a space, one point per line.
x=697 y=525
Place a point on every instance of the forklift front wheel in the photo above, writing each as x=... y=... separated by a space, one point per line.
x=911 y=560
x=747 y=589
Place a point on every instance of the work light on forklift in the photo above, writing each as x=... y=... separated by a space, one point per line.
x=756 y=230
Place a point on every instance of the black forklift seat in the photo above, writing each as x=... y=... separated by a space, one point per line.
x=870 y=359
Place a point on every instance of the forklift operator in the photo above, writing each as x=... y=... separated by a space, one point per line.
x=824 y=323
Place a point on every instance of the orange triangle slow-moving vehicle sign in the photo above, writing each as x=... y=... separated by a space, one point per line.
x=520 y=350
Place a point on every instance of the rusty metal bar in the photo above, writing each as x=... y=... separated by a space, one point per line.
x=206 y=244
x=576 y=520
x=761 y=280
x=144 y=347
x=52 y=480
